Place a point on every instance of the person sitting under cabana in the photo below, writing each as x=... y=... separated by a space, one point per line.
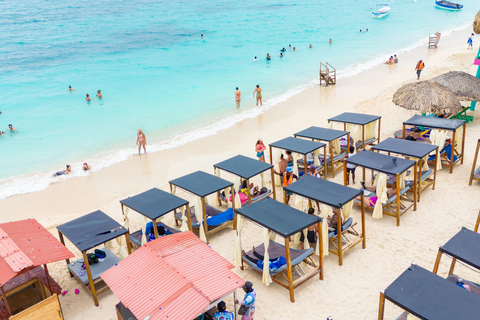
x=371 y=201
x=446 y=151
x=287 y=179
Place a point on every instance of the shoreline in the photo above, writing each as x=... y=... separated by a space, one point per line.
x=39 y=181
x=347 y=292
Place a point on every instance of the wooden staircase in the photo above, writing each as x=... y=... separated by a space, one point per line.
x=327 y=74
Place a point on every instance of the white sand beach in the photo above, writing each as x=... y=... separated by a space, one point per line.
x=348 y=292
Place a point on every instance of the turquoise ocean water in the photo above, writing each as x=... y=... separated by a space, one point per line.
x=158 y=74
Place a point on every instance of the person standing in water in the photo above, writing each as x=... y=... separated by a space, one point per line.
x=99 y=94
x=268 y=57
x=70 y=88
x=141 y=141
x=330 y=41
x=88 y=98
x=238 y=97
x=258 y=92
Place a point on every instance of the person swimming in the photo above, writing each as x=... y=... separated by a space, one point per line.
x=293 y=48
x=99 y=94
x=70 y=88
x=255 y=59
x=88 y=97
x=11 y=128
x=268 y=57
x=281 y=55
x=330 y=41
x=86 y=167
x=67 y=171
x=283 y=50
x=310 y=46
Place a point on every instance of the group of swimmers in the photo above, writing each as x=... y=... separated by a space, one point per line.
x=392 y=60
x=85 y=167
x=87 y=98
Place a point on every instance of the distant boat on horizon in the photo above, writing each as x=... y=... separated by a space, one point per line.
x=382 y=11
x=443 y=4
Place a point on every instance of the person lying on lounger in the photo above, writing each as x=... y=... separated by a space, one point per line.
x=274 y=264
x=371 y=201
x=415 y=135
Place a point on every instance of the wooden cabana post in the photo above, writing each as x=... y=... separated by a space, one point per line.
x=381 y=307
x=90 y=279
x=289 y=269
x=474 y=165
x=477 y=223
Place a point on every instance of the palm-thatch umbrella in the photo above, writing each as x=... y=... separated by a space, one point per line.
x=476 y=23
x=427 y=96
x=465 y=86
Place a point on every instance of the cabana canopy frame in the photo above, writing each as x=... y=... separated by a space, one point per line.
x=285 y=221
x=328 y=135
x=300 y=146
x=203 y=184
x=390 y=166
x=412 y=149
x=334 y=195
x=475 y=174
x=463 y=247
x=87 y=232
x=153 y=204
x=27 y=246
x=428 y=296
x=444 y=124
x=358 y=119
x=246 y=168
x=193 y=277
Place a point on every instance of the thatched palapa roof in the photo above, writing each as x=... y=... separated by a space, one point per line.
x=427 y=96
x=465 y=86
x=476 y=23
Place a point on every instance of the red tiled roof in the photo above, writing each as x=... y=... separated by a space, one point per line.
x=173 y=277
x=25 y=244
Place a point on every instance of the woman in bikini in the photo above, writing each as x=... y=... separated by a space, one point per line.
x=371 y=201
x=258 y=92
x=238 y=97
x=141 y=141
x=260 y=149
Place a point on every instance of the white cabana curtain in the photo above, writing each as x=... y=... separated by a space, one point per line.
x=144 y=230
x=438 y=138
x=295 y=165
x=316 y=154
x=325 y=211
x=458 y=139
x=184 y=226
x=346 y=209
x=306 y=244
x=371 y=129
x=238 y=242
x=355 y=132
x=276 y=159
x=298 y=206
x=412 y=317
x=336 y=146
x=262 y=179
x=199 y=216
x=266 y=278
x=401 y=180
x=381 y=186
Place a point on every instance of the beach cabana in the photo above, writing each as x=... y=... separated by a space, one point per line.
x=462 y=247
x=88 y=232
x=361 y=127
x=475 y=174
x=385 y=165
x=284 y=221
x=202 y=184
x=181 y=277
x=301 y=147
x=153 y=205
x=246 y=168
x=332 y=137
x=428 y=296
x=28 y=291
x=339 y=197
x=449 y=156
x=420 y=152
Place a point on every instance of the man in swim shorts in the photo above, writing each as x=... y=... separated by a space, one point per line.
x=258 y=92
x=419 y=68
x=311 y=232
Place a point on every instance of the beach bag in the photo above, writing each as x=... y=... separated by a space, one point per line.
x=263 y=190
x=92 y=258
x=243 y=309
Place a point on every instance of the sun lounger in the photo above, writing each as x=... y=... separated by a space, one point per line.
x=136 y=237
x=409 y=183
x=369 y=194
x=215 y=217
x=358 y=145
x=476 y=174
x=276 y=250
x=256 y=198
x=96 y=268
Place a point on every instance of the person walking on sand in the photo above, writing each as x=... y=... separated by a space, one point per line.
x=419 y=68
x=141 y=141
x=470 y=43
x=238 y=97
x=248 y=301
x=260 y=149
x=258 y=92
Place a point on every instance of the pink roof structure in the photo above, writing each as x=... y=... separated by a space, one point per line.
x=26 y=244
x=173 y=277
